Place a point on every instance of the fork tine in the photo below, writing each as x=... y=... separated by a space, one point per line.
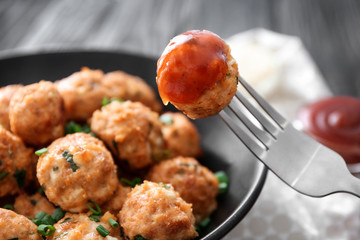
x=280 y=120
x=268 y=125
x=261 y=135
x=249 y=142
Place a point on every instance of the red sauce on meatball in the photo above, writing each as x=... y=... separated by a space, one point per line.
x=191 y=63
x=335 y=122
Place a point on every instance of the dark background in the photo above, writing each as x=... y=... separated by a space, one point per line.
x=329 y=29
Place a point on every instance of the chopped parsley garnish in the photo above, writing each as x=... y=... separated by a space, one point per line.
x=139 y=237
x=113 y=223
x=103 y=231
x=20 y=177
x=55 y=168
x=105 y=101
x=41 y=151
x=94 y=217
x=166 y=119
x=9 y=207
x=69 y=158
x=42 y=218
x=223 y=182
x=58 y=214
x=3 y=175
x=46 y=230
x=203 y=224
x=73 y=127
x=132 y=183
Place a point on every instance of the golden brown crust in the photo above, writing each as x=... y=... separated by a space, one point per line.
x=29 y=206
x=156 y=211
x=82 y=93
x=180 y=135
x=93 y=177
x=116 y=202
x=79 y=226
x=195 y=183
x=131 y=130
x=6 y=94
x=119 y=84
x=16 y=166
x=13 y=226
x=36 y=113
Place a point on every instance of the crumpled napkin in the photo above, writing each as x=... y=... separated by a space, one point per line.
x=288 y=78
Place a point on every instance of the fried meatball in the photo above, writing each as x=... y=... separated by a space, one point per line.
x=156 y=211
x=79 y=226
x=76 y=169
x=131 y=130
x=195 y=183
x=29 y=206
x=6 y=94
x=36 y=113
x=180 y=135
x=116 y=202
x=197 y=74
x=16 y=163
x=122 y=85
x=15 y=226
x=82 y=93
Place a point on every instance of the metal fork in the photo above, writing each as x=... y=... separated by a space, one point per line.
x=304 y=164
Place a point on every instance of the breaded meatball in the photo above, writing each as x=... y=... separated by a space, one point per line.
x=82 y=93
x=116 y=202
x=156 y=211
x=122 y=85
x=76 y=169
x=197 y=74
x=36 y=113
x=180 y=135
x=16 y=163
x=79 y=226
x=131 y=130
x=195 y=183
x=29 y=206
x=6 y=94
x=15 y=226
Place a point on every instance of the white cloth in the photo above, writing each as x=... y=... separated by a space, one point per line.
x=280 y=212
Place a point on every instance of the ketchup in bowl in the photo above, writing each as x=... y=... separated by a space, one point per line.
x=335 y=122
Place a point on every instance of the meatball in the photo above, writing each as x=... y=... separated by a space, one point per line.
x=82 y=92
x=36 y=113
x=131 y=130
x=116 y=202
x=122 y=85
x=15 y=226
x=195 y=183
x=76 y=169
x=156 y=211
x=16 y=163
x=197 y=74
x=79 y=226
x=180 y=135
x=29 y=206
x=6 y=94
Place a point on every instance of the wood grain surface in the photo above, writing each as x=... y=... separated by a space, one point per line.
x=329 y=29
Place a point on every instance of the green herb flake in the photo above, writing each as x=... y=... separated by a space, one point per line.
x=105 y=101
x=9 y=207
x=3 y=175
x=166 y=119
x=132 y=183
x=20 y=176
x=10 y=154
x=139 y=237
x=103 y=231
x=46 y=230
x=73 y=127
x=33 y=202
x=55 y=168
x=58 y=214
x=41 y=151
x=66 y=220
x=223 y=182
x=69 y=158
x=94 y=217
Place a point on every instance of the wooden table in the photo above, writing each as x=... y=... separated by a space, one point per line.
x=330 y=29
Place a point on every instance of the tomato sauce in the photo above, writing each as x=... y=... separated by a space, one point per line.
x=335 y=122
x=191 y=63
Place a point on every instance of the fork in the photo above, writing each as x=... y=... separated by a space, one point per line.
x=301 y=162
